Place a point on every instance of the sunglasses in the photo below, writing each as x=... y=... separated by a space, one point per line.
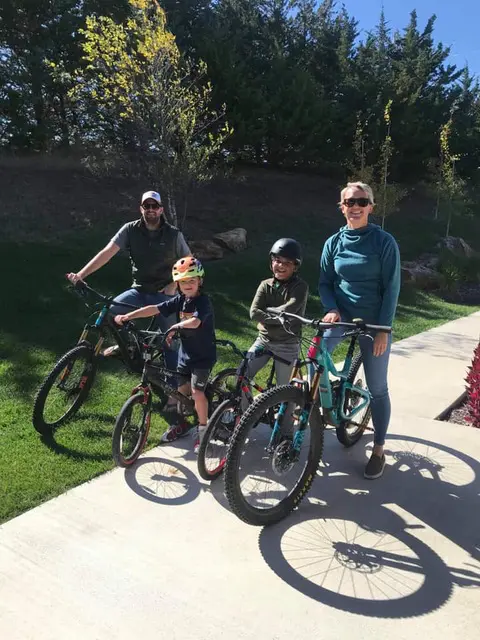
x=351 y=202
x=151 y=205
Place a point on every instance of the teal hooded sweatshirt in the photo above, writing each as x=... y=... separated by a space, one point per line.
x=360 y=274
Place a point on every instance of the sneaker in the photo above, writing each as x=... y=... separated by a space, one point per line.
x=199 y=434
x=375 y=467
x=175 y=431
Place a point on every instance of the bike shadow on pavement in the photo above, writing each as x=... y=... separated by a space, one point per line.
x=163 y=479
x=383 y=548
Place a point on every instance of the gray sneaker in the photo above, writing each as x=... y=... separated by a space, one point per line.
x=375 y=467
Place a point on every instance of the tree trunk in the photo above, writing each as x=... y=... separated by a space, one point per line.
x=64 y=123
x=437 y=204
x=171 y=208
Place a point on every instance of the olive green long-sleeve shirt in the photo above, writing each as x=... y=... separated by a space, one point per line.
x=290 y=296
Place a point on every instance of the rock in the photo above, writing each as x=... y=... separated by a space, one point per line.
x=421 y=276
x=429 y=260
x=235 y=239
x=457 y=246
x=206 y=250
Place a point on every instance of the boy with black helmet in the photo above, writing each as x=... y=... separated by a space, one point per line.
x=286 y=291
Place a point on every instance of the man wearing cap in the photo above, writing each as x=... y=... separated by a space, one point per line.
x=153 y=245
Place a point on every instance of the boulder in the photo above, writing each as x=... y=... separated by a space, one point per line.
x=206 y=250
x=421 y=276
x=235 y=239
x=457 y=246
x=429 y=260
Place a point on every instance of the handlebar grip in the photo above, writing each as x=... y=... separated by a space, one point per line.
x=80 y=285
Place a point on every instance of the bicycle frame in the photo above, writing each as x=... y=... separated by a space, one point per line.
x=319 y=386
x=246 y=384
x=323 y=365
x=104 y=324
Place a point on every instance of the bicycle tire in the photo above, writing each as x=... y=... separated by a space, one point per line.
x=40 y=423
x=263 y=402
x=344 y=436
x=214 y=425
x=125 y=414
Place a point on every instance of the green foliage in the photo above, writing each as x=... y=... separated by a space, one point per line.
x=37 y=39
x=387 y=195
x=458 y=269
x=451 y=187
x=145 y=108
x=292 y=77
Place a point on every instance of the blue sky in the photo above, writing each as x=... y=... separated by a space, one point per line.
x=457 y=25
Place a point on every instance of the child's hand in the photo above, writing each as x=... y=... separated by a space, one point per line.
x=170 y=337
x=120 y=319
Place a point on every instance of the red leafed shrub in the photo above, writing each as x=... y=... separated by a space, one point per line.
x=473 y=389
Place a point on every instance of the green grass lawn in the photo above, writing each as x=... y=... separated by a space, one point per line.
x=41 y=319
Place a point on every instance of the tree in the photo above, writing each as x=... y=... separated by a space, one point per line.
x=387 y=194
x=452 y=187
x=33 y=35
x=143 y=107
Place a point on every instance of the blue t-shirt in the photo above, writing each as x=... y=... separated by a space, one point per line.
x=360 y=274
x=197 y=346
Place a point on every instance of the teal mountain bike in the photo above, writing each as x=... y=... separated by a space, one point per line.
x=268 y=471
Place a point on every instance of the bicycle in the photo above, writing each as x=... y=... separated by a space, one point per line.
x=212 y=450
x=68 y=384
x=286 y=457
x=131 y=431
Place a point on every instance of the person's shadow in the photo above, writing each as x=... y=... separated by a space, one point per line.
x=353 y=545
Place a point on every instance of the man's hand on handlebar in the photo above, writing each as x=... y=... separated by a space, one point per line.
x=74 y=278
x=121 y=319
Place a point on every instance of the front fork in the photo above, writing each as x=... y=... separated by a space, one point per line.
x=84 y=338
x=300 y=419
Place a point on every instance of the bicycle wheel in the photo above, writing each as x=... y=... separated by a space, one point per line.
x=350 y=431
x=220 y=388
x=265 y=480
x=65 y=389
x=131 y=429
x=213 y=448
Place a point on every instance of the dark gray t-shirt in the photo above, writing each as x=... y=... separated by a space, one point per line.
x=121 y=240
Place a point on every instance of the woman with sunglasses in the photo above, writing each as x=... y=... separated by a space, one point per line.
x=360 y=278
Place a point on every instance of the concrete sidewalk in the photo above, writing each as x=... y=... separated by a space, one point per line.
x=427 y=371
x=155 y=552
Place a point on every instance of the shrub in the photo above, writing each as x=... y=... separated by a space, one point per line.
x=473 y=389
x=458 y=269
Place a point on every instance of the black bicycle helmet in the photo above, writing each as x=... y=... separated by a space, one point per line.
x=287 y=248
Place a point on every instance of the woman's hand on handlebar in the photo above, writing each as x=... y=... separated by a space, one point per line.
x=332 y=316
x=120 y=319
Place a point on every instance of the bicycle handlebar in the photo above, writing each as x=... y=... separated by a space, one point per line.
x=232 y=345
x=357 y=323
x=81 y=287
